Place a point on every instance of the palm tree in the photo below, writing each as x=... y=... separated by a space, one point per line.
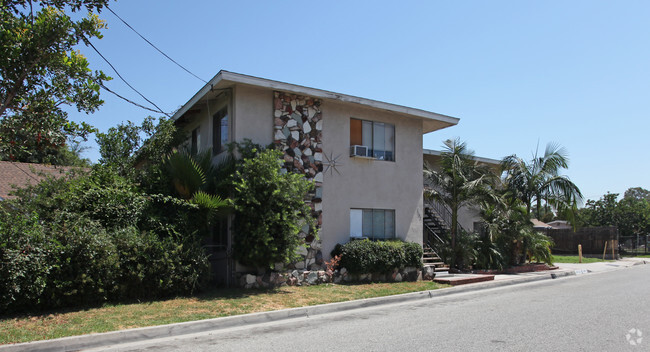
x=196 y=180
x=459 y=181
x=540 y=180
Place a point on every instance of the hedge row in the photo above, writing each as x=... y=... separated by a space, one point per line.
x=75 y=261
x=365 y=256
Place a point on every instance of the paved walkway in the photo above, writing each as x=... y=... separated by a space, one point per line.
x=564 y=269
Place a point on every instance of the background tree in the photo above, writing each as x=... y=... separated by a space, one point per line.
x=637 y=193
x=540 y=181
x=118 y=145
x=630 y=214
x=40 y=72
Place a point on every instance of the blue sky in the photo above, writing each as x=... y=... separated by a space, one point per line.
x=517 y=73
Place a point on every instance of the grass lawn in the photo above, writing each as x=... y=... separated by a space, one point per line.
x=574 y=259
x=217 y=303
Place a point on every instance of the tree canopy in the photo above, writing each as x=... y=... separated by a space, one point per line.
x=458 y=181
x=539 y=180
x=41 y=72
x=630 y=214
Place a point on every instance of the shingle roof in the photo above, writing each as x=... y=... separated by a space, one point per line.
x=24 y=174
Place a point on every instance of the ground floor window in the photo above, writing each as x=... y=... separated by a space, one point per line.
x=375 y=224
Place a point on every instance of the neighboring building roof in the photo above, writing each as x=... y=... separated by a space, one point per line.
x=431 y=121
x=477 y=158
x=24 y=174
x=560 y=224
x=540 y=225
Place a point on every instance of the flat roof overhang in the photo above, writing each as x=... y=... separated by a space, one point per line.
x=431 y=121
x=438 y=153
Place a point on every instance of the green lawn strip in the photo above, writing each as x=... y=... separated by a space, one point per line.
x=575 y=259
x=214 y=304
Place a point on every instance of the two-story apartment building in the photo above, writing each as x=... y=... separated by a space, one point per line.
x=365 y=156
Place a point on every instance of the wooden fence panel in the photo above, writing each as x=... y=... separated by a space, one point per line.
x=592 y=240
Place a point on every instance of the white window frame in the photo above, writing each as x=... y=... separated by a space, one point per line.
x=357 y=224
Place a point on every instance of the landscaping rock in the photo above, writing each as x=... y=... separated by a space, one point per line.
x=312 y=278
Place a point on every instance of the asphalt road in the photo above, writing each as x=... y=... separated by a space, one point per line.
x=591 y=312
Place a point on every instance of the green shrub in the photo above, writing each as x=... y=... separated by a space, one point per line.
x=538 y=246
x=84 y=263
x=151 y=267
x=24 y=264
x=269 y=211
x=366 y=256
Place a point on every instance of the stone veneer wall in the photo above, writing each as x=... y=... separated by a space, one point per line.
x=298 y=132
x=316 y=277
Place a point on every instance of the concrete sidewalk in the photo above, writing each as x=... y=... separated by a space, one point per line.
x=76 y=343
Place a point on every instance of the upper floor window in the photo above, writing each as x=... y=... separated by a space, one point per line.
x=376 y=139
x=196 y=141
x=220 y=131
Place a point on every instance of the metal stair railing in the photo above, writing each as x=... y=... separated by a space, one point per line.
x=445 y=214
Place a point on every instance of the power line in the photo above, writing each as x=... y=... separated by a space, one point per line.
x=155 y=47
x=122 y=78
x=131 y=101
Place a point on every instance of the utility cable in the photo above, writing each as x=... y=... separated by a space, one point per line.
x=122 y=78
x=155 y=47
x=131 y=101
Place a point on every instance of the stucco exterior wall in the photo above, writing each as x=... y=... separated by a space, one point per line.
x=370 y=184
x=361 y=184
x=253 y=112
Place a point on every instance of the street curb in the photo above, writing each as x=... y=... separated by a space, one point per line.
x=74 y=343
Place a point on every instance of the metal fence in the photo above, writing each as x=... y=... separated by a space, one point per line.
x=634 y=245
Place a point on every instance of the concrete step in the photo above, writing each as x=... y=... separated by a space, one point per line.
x=462 y=279
x=432 y=263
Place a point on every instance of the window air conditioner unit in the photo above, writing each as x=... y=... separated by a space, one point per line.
x=359 y=150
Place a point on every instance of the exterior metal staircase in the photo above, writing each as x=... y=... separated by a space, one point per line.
x=437 y=234
x=431 y=259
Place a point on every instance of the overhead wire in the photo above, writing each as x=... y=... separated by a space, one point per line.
x=122 y=78
x=131 y=101
x=155 y=47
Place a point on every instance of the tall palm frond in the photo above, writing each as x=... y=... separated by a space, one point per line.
x=540 y=180
x=458 y=181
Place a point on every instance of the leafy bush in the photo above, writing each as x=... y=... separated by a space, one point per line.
x=151 y=267
x=360 y=257
x=23 y=260
x=84 y=263
x=538 y=246
x=94 y=238
x=269 y=210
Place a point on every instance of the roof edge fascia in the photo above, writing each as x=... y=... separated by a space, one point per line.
x=476 y=158
x=226 y=76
